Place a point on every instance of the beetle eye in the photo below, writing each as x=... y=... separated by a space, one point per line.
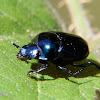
x=23 y=51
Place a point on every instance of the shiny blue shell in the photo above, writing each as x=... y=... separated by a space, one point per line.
x=60 y=47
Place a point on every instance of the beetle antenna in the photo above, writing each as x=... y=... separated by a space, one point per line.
x=30 y=37
x=17 y=46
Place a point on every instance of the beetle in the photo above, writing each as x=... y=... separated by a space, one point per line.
x=59 y=48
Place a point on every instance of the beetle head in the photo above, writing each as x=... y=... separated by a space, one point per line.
x=28 y=51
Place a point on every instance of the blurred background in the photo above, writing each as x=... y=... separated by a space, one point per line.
x=79 y=17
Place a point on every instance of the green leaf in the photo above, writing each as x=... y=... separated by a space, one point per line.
x=18 y=19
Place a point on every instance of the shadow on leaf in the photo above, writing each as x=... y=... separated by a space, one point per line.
x=52 y=71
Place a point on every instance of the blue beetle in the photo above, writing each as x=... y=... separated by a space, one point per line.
x=57 y=47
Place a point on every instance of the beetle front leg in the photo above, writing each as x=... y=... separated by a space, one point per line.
x=43 y=66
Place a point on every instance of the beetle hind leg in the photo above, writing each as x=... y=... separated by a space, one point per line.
x=84 y=65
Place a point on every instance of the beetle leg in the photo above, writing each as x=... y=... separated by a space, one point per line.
x=78 y=72
x=84 y=65
x=87 y=64
x=70 y=72
x=42 y=67
x=66 y=70
x=30 y=37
